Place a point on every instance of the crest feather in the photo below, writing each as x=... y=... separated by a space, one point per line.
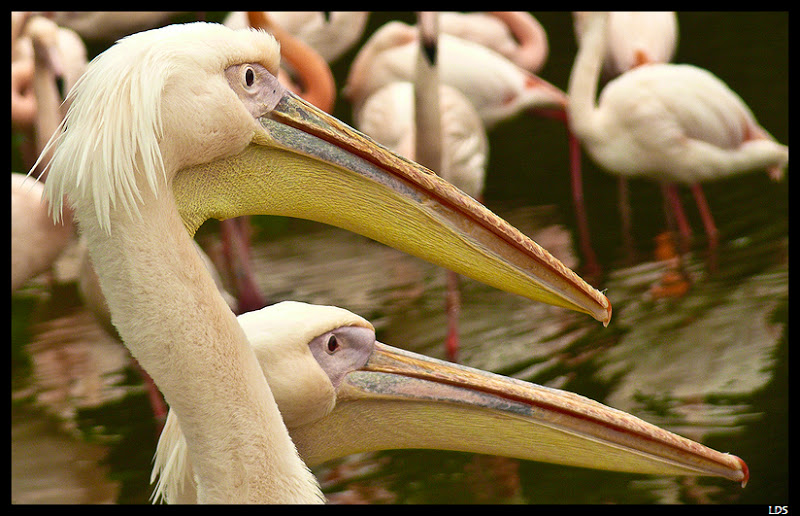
x=110 y=137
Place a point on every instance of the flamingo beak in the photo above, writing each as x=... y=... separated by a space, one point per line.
x=402 y=400
x=304 y=163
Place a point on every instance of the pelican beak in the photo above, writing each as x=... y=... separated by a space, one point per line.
x=304 y=163
x=402 y=400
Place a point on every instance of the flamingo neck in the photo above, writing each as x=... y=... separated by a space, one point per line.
x=583 y=80
x=170 y=315
x=318 y=85
x=427 y=106
x=533 y=48
x=48 y=99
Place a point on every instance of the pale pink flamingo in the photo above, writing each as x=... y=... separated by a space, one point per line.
x=436 y=125
x=330 y=34
x=673 y=123
x=498 y=88
x=516 y=35
x=44 y=55
x=634 y=39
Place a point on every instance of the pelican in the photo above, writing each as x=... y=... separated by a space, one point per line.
x=342 y=392
x=674 y=123
x=173 y=126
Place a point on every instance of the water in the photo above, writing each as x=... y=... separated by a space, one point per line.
x=711 y=364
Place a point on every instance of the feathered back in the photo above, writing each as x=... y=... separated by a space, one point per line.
x=114 y=129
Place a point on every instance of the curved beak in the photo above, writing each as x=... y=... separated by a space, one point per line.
x=304 y=163
x=402 y=400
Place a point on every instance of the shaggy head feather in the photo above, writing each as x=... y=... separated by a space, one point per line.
x=114 y=133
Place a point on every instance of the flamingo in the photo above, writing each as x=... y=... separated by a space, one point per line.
x=45 y=54
x=435 y=125
x=193 y=124
x=326 y=370
x=498 y=88
x=674 y=123
x=635 y=39
x=516 y=35
x=110 y=25
x=330 y=33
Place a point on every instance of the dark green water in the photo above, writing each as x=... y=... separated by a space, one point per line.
x=711 y=365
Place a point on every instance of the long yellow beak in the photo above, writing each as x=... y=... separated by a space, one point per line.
x=304 y=163
x=402 y=400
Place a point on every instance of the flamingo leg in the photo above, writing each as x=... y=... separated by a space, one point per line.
x=592 y=267
x=708 y=222
x=675 y=208
x=626 y=218
x=235 y=235
x=157 y=404
x=453 y=310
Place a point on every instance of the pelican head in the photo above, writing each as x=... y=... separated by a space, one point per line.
x=341 y=392
x=194 y=114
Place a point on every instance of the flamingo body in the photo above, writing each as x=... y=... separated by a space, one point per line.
x=388 y=117
x=636 y=38
x=673 y=122
x=496 y=87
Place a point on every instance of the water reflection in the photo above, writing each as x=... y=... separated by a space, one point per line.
x=711 y=364
x=689 y=364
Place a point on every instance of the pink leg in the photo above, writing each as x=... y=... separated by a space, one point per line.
x=157 y=404
x=625 y=217
x=708 y=222
x=235 y=246
x=705 y=214
x=675 y=207
x=453 y=310
x=592 y=267
x=248 y=294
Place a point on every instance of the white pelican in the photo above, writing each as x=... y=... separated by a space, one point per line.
x=172 y=126
x=674 y=123
x=437 y=126
x=342 y=392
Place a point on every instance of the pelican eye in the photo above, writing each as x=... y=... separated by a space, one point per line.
x=249 y=77
x=333 y=344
